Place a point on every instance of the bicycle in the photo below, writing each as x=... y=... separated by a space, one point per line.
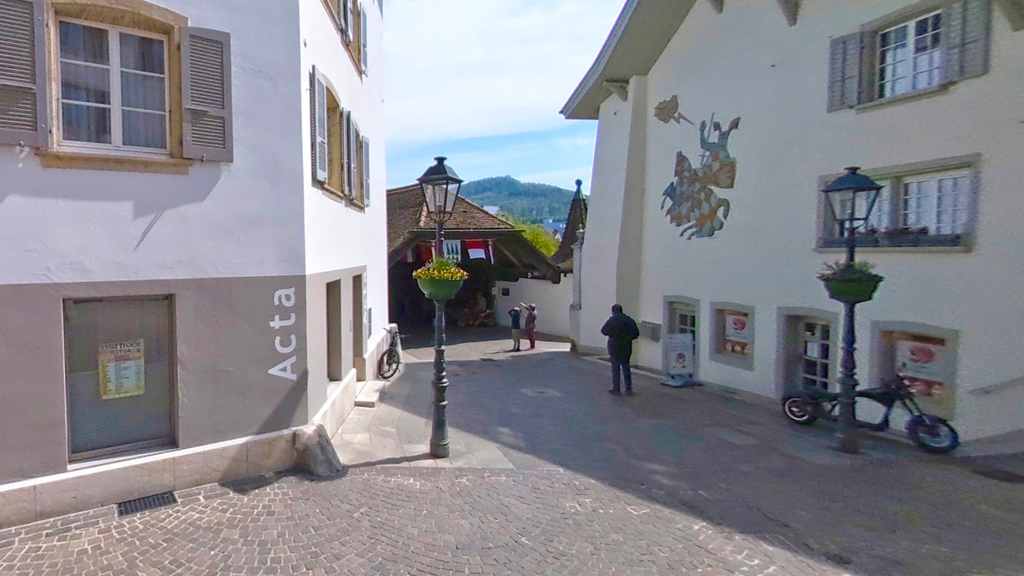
x=390 y=361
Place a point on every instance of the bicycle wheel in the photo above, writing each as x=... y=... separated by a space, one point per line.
x=388 y=364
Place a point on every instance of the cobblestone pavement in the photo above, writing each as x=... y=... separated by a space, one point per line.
x=401 y=521
x=551 y=475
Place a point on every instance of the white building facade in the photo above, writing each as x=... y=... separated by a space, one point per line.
x=719 y=122
x=191 y=254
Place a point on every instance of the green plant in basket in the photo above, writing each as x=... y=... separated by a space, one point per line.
x=440 y=269
x=850 y=283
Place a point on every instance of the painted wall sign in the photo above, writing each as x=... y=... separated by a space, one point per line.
x=694 y=205
x=122 y=369
x=284 y=344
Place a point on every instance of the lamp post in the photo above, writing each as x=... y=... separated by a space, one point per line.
x=440 y=187
x=851 y=198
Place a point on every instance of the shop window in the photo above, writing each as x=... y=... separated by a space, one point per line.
x=733 y=338
x=926 y=360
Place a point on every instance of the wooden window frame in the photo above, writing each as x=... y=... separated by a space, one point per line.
x=116 y=147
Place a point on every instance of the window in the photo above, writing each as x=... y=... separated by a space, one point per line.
x=113 y=87
x=815 y=354
x=114 y=70
x=912 y=51
x=340 y=154
x=917 y=208
x=733 y=338
x=910 y=56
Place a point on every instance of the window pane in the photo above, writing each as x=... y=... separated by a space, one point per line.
x=86 y=123
x=83 y=43
x=84 y=83
x=144 y=129
x=140 y=91
x=143 y=54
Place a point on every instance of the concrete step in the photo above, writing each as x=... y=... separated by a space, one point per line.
x=371 y=393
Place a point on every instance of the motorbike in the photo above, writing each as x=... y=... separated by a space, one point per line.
x=927 y=431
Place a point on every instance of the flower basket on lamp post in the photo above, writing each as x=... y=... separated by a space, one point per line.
x=439 y=290
x=850 y=283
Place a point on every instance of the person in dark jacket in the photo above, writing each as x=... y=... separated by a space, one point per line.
x=621 y=330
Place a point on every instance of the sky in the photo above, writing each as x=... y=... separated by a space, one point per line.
x=482 y=81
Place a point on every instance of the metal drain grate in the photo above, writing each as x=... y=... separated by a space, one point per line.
x=146 y=503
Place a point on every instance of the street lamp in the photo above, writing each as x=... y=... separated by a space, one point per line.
x=440 y=187
x=850 y=198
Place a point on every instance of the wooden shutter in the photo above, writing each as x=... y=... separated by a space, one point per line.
x=966 y=31
x=206 y=94
x=349 y=159
x=346 y=19
x=366 y=171
x=23 y=117
x=844 y=72
x=362 y=37
x=318 y=116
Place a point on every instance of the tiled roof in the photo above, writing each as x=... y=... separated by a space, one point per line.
x=407 y=214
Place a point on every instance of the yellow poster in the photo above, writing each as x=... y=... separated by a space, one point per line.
x=122 y=369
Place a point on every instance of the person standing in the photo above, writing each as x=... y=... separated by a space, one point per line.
x=531 y=324
x=621 y=330
x=516 y=315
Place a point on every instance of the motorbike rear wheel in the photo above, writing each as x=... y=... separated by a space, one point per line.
x=932 y=434
x=387 y=366
x=799 y=409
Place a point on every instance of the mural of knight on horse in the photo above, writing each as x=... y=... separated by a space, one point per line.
x=694 y=205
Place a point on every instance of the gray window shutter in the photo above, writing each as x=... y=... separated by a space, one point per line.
x=23 y=117
x=206 y=94
x=318 y=115
x=346 y=19
x=349 y=154
x=362 y=37
x=967 y=27
x=366 y=171
x=844 y=72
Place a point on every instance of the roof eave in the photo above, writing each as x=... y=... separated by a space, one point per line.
x=586 y=99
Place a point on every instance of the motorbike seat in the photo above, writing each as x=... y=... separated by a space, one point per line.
x=880 y=395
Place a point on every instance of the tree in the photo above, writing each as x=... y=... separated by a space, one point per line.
x=537 y=235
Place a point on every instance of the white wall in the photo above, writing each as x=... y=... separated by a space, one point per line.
x=552 y=302
x=338 y=236
x=747 y=62
x=220 y=220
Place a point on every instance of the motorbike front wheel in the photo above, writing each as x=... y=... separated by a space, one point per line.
x=799 y=409
x=932 y=433
x=387 y=366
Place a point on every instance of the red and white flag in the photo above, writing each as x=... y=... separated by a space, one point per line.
x=476 y=249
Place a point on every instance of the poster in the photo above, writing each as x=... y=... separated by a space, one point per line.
x=680 y=350
x=737 y=333
x=924 y=366
x=122 y=369
x=927 y=368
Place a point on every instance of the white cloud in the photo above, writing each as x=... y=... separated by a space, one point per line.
x=468 y=68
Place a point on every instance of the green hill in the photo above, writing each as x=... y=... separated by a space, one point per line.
x=525 y=201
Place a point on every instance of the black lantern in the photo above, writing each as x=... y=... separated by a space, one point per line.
x=851 y=197
x=441 y=187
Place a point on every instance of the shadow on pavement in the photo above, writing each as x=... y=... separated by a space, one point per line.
x=893 y=511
